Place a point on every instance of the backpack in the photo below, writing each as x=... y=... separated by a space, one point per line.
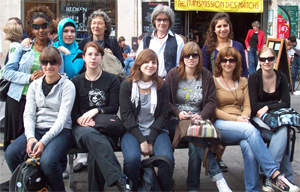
x=28 y=176
x=111 y=63
x=149 y=180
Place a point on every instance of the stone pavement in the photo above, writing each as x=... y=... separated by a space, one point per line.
x=232 y=157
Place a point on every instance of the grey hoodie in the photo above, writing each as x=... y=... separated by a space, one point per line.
x=52 y=112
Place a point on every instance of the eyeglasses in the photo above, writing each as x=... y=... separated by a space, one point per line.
x=194 y=56
x=162 y=20
x=45 y=62
x=97 y=23
x=91 y=55
x=264 y=59
x=37 y=27
x=228 y=60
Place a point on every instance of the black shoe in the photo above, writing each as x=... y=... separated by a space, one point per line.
x=223 y=166
x=123 y=184
x=79 y=167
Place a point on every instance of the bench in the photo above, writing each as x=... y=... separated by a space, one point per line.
x=183 y=144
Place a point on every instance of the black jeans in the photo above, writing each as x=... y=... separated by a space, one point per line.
x=103 y=165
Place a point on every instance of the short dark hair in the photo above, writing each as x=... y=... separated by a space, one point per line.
x=292 y=38
x=17 y=20
x=94 y=44
x=121 y=38
x=51 y=53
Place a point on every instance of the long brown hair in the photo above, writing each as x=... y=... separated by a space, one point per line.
x=211 y=37
x=135 y=72
x=190 y=48
x=226 y=52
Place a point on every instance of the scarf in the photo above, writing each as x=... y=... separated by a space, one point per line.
x=135 y=94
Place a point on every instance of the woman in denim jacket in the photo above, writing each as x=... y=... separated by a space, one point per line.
x=22 y=68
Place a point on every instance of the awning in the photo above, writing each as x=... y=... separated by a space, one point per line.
x=240 y=6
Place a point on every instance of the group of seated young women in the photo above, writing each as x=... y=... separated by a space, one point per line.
x=146 y=102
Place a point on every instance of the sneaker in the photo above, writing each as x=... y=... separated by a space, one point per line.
x=65 y=174
x=123 y=185
x=223 y=166
x=222 y=185
x=281 y=183
x=267 y=185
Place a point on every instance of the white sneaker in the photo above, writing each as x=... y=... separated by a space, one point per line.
x=65 y=174
x=267 y=185
x=283 y=184
x=222 y=185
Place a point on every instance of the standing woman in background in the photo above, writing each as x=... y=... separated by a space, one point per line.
x=218 y=36
x=23 y=67
x=254 y=42
x=72 y=55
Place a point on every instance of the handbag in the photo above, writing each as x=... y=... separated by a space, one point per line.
x=109 y=125
x=285 y=116
x=203 y=129
x=4 y=87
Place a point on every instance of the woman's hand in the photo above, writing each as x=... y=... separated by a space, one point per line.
x=145 y=148
x=197 y=116
x=183 y=115
x=90 y=123
x=262 y=111
x=29 y=144
x=108 y=50
x=248 y=48
x=64 y=50
x=36 y=74
x=243 y=119
x=150 y=147
x=37 y=150
x=85 y=119
x=26 y=42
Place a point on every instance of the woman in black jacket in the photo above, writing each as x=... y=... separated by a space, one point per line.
x=144 y=108
x=268 y=90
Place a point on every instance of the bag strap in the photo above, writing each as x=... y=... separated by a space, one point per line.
x=148 y=162
x=212 y=60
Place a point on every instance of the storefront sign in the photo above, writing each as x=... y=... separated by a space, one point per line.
x=241 y=6
x=283 y=24
x=292 y=10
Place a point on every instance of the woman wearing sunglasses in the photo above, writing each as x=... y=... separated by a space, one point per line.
x=23 y=67
x=193 y=95
x=47 y=121
x=268 y=90
x=233 y=112
x=72 y=55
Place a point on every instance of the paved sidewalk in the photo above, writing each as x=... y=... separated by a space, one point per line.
x=232 y=157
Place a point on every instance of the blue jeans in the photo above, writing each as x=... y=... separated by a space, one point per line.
x=253 y=148
x=252 y=60
x=294 y=70
x=53 y=160
x=132 y=159
x=196 y=155
x=277 y=148
x=129 y=61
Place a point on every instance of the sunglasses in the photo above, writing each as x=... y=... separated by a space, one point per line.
x=45 y=62
x=264 y=59
x=228 y=60
x=37 y=27
x=194 y=55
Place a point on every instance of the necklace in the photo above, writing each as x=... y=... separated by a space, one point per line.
x=234 y=95
x=161 y=37
x=37 y=48
x=94 y=78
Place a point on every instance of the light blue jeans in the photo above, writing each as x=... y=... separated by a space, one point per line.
x=252 y=60
x=196 y=155
x=277 y=147
x=129 y=61
x=254 y=150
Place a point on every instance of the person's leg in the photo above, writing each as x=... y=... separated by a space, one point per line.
x=251 y=60
x=294 y=70
x=88 y=138
x=194 y=169
x=163 y=146
x=96 y=180
x=132 y=158
x=53 y=156
x=15 y=152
